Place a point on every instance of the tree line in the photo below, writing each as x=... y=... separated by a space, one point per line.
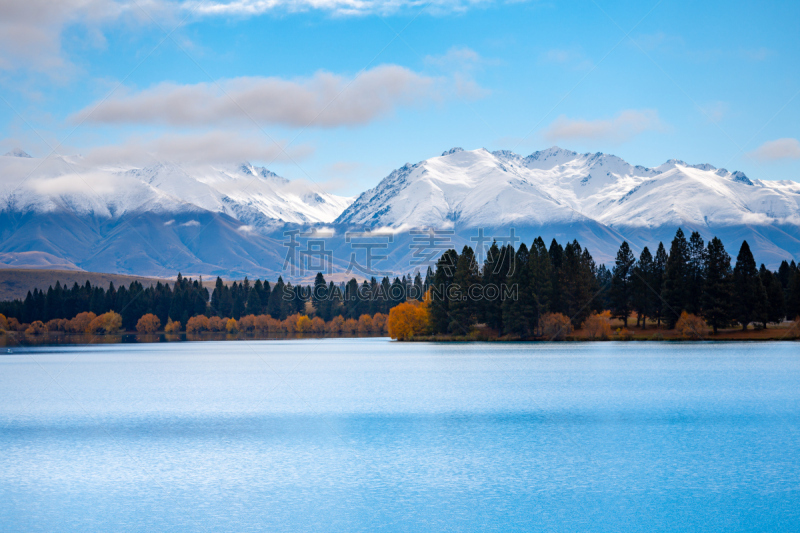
x=510 y=292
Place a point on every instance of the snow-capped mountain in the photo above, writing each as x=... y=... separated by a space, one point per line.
x=253 y=195
x=481 y=188
x=230 y=220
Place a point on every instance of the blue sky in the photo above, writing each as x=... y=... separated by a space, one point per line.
x=340 y=92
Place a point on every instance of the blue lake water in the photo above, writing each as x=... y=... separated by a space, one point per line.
x=372 y=435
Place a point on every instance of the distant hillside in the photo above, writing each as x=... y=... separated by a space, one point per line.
x=15 y=283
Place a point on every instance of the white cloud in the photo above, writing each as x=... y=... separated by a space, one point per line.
x=624 y=126
x=339 y=7
x=31 y=30
x=573 y=58
x=324 y=100
x=212 y=147
x=786 y=148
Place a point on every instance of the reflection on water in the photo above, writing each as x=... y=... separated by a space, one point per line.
x=372 y=435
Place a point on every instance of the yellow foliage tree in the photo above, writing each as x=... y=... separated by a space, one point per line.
x=303 y=324
x=3 y=322
x=232 y=326
x=148 y=324
x=691 y=326
x=110 y=322
x=598 y=326
x=350 y=326
x=409 y=319
x=556 y=326
x=173 y=326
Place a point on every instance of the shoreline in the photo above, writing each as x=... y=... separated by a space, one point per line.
x=10 y=340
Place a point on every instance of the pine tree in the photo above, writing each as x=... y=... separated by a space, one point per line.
x=464 y=308
x=440 y=287
x=676 y=280
x=717 y=290
x=641 y=284
x=517 y=312
x=749 y=295
x=657 y=284
x=622 y=283
x=540 y=279
x=696 y=273
x=775 y=310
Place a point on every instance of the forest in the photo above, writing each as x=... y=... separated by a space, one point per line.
x=511 y=291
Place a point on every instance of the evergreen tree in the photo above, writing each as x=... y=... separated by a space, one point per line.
x=750 y=298
x=622 y=283
x=517 y=313
x=717 y=290
x=464 y=307
x=641 y=287
x=696 y=273
x=676 y=280
x=540 y=280
x=277 y=306
x=657 y=284
x=440 y=287
x=775 y=310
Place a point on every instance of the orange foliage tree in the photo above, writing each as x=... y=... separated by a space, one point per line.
x=556 y=326
x=691 y=326
x=379 y=323
x=409 y=319
x=335 y=325
x=81 y=322
x=365 y=324
x=173 y=326
x=148 y=324
x=197 y=324
x=37 y=327
x=598 y=326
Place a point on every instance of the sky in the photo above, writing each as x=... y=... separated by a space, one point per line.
x=341 y=92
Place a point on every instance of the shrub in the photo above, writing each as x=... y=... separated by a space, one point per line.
x=623 y=334
x=37 y=327
x=197 y=324
x=148 y=324
x=555 y=326
x=691 y=326
x=598 y=326
x=57 y=324
x=409 y=319
x=173 y=326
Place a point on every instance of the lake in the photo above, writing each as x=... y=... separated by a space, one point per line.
x=372 y=435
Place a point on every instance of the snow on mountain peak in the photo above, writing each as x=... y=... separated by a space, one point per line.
x=18 y=152
x=452 y=151
x=478 y=188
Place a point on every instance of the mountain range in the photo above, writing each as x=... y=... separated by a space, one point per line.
x=232 y=220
